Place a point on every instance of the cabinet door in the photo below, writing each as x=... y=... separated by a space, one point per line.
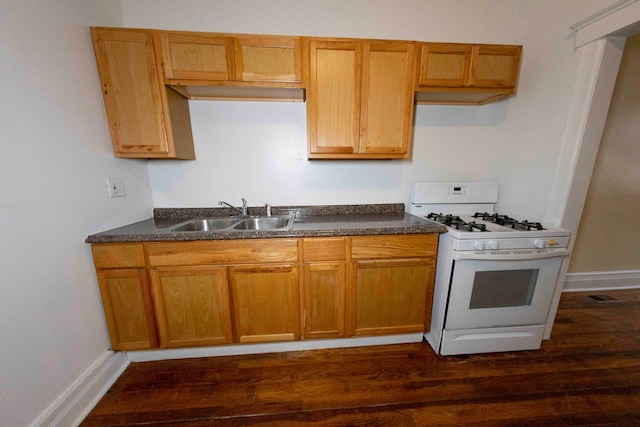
x=495 y=66
x=333 y=97
x=387 y=98
x=268 y=59
x=391 y=297
x=192 y=306
x=324 y=295
x=197 y=56
x=324 y=286
x=444 y=65
x=146 y=119
x=127 y=307
x=265 y=303
x=131 y=89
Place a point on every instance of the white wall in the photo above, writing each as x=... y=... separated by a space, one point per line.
x=610 y=216
x=258 y=150
x=55 y=156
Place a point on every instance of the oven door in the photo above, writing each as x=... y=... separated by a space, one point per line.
x=502 y=288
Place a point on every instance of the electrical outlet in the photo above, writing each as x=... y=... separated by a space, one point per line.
x=116 y=187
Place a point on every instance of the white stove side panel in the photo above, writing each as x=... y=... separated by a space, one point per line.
x=441 y=291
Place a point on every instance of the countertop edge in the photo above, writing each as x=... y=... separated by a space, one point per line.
x=196 y=236
x=326 y=221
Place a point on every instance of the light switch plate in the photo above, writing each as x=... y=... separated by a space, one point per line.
x=116 y=187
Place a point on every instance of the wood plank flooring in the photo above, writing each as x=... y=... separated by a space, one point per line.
x=587 y=374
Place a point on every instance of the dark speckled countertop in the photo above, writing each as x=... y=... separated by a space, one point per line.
x=311 y=221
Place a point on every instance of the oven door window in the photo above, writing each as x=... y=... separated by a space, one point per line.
x=488 y=293
x=503 y=288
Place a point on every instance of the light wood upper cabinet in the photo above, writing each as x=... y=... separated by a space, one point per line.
x=470 y=74
x=360 y=98
x=233 y=66
x=146 y=119
x=387 y=99
x=495 y=66
x=213 y=58
x=360 y=93
x=268 y=59
x=444 y=65
x=197 y=56
x=333 y=98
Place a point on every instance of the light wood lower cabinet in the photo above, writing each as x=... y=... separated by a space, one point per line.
x=214 y=292
x=128 y=311
x=391 y=297
x=126 y=296
x=391 y=284
x=192 y=306
x=265 y=303
x=186 y=294
x=324 y=287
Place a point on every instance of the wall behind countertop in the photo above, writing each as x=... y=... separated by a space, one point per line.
x=257 y=150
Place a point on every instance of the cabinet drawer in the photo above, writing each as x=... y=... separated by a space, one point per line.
x=112 y=255
x=324 y=249
x=397 y=246
x=222 y=252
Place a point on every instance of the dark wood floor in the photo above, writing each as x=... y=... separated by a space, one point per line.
x=587 y=374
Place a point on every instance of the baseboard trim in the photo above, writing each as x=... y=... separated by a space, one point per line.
x=72 y=406
x=602 y=280
x=240 y=349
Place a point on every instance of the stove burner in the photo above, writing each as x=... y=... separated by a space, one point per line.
x=507 y=221
x=456 y=222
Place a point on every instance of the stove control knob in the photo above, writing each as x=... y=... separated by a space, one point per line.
x=539 y=243
x=478 y=245
x=493 y=245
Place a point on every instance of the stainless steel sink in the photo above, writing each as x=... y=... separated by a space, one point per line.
x=236 y=224
x=265 y=223
x=206 y=224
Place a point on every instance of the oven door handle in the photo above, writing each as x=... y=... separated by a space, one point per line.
x=507 y=255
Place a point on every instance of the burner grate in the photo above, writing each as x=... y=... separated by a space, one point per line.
x=456 y=222
x=509 y=222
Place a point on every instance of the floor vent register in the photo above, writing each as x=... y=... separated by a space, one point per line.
x=603 y=298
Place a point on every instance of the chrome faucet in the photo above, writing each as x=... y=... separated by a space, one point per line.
x=243 y=211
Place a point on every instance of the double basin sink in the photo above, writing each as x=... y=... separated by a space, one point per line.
x=239 y=224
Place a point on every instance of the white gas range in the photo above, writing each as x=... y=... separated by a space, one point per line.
x=496 y=276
